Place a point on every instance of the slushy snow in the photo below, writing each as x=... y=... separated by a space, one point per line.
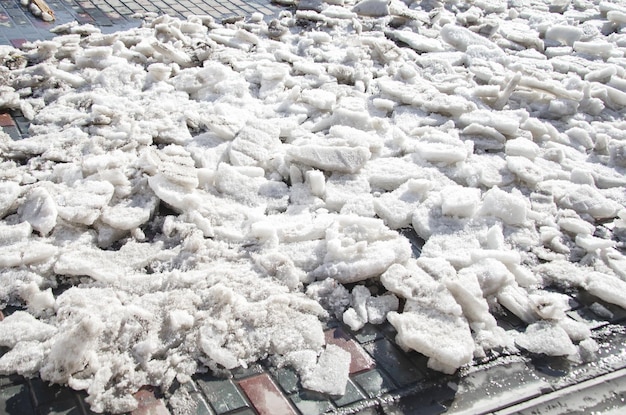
x=199 y=196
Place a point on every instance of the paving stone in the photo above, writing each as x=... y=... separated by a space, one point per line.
x=148 y=403
x=15 y=400
x=45 y=393
x=251 y=370
x=6 y=120
x=368 y=333
x=308 y=404
x=61 y=408
x=265 y=396
x=222 y=394
x=374 y=382
x=352 y=395
x=394 y=362
x=287 y=378
x=196 y=403
x=360 y=359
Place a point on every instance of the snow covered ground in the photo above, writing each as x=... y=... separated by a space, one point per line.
x=205 y=195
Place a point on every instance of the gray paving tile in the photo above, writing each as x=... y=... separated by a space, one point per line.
x=309 y=404
x=287 y=379
x=44 y=393
x=352 y=395
x=222 y=394
x=374 y=382
x=394 y=362
x=15 y=400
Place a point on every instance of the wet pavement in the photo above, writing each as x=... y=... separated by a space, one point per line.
x=383 y=378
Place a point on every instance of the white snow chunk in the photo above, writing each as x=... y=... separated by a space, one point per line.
x=416 y=41
x=9 y=191
x=330 y=374
x=547 y=338
x=25 y=359
x=509 y=207
x=606 y=287
x=591 y=243
x=360 y=248
x=460 y=201
x=522 y=147
x=22 y=326
x=584 y=199
x=444 y=338
x=372 y=8
x=39 y=210
x=379 y=306
x=82 y=203
x=340 y=159
x=564 y=34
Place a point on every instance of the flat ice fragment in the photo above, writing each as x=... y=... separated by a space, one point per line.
x=9 y=191
x=131 y=213
x=330 y=373
x=509 y=207
x=360 y=248
x=522 y=147
x=564 y=34
x=379 y=306
x=584 y=199
x=461 y=38
x=460 y=201
x=415 y=41
x=606 y=287
x=601 y=49
x=372 y=8
x=591 y=243
x=444 y=338
x=504 y=123
x=547 y=338
x=39 y=210
x=340 y=159
x=82 y=203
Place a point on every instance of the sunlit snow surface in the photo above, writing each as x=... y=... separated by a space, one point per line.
x=198 y=194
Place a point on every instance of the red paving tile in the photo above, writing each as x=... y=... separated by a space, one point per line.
x=265 y=396
x=17 y=43
x=148 y=404
x=360 y=359
x=6 y=120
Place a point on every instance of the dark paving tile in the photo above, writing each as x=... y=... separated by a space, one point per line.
x=17 y=43
x=394 y=362
x=309 y=404
x=368 y=333
x=287 y=378
x=44 y=393
x=352 y=395
x=15 y=400
x=61 y=408
x=265 y=396
x=373 y=382
x=251 y=370
x=360 y=359
x=222 y=394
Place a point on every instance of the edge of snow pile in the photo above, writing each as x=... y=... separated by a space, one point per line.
x=202 y=195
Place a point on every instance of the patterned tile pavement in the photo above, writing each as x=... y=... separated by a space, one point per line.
x=383 y=378
x=18 y=25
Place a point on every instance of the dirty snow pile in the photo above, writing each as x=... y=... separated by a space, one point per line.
x=198 y=195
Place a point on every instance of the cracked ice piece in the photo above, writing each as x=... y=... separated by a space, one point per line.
x=330 y=374
x=39 y=210
x=446 y=339
x=331 y=158
x=83 y=202
x=546 y=338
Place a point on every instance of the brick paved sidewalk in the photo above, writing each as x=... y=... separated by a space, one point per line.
x=18 y=25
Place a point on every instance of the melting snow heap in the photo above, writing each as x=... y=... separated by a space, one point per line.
x=202 y=195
